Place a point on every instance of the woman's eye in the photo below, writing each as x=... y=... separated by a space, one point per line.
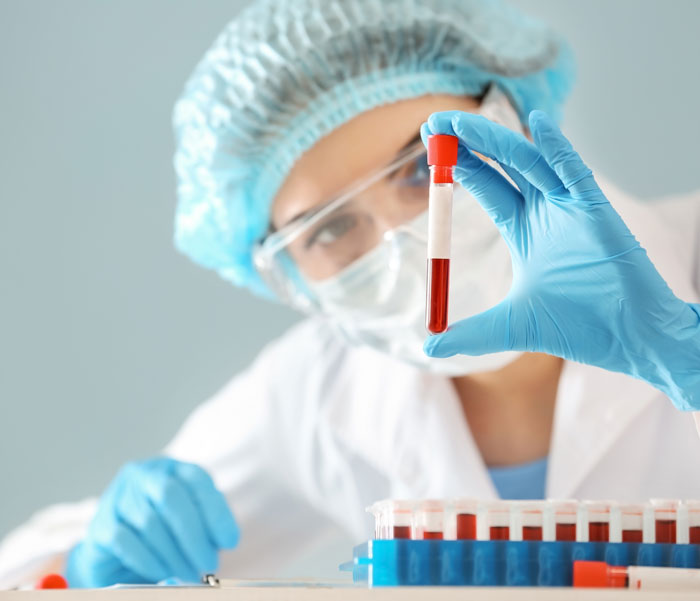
x=330 y=231
x=415 y=174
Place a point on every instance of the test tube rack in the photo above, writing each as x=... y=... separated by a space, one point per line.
x=405 y=562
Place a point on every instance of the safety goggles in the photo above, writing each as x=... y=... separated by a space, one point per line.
x=322 y=243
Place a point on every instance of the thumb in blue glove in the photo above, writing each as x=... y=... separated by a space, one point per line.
x=158 y=519
x=583 y=288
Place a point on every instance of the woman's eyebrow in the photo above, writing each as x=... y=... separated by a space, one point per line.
x=412 y=142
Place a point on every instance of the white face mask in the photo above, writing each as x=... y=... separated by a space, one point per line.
x=379 y=300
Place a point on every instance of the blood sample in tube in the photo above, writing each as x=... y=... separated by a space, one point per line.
x=665 y=531
x=499 y=532
x=598 y=532
x=665 y=513
x=631 y=523
x=692 y=509
x=532 y=532
x=694 y=535
x=631 y=536
x=565 y=515
x=442 y=157
x=565 y=532
x=432 y=535
x=466 y=526
x=402 y=532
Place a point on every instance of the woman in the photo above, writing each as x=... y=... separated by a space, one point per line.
x=302 y=176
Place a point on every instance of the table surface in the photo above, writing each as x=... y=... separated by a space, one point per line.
x=250 y=590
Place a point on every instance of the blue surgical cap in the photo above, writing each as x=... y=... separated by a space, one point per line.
x=285 y=73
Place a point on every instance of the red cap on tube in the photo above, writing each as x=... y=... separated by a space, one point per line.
x=51 y=581
x=442 y=150
x=598 y=574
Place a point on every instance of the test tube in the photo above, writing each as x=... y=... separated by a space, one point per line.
x=597 y=516
x=379 y=510
x=665 y=516
x=442 y=157
x=693 y=516
x=563 y=515
x=399 y=518
x=529 y=520
x=497 y=516
x=428 y=520
x=465 y=518
x=629 y=526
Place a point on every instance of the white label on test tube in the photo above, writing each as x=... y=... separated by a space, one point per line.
x=439 y=221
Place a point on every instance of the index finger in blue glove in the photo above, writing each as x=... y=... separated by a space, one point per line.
x=499 y=143
x=493 y=192
x=558 y=152
x=135 y=509
x=183 y=518
x=118 y=539
x=217 y=515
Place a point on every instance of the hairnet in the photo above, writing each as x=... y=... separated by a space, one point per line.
x=285 y=73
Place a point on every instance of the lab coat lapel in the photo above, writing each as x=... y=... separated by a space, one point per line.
x=409 y=425
x=594 y=409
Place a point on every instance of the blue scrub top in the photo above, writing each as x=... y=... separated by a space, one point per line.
x=524 y=481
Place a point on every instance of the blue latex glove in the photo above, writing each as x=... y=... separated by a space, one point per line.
x=158 y=519
x=583 y=288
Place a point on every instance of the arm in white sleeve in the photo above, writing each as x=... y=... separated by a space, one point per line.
x=222 y=435
x=40 y=545
x=683 y=214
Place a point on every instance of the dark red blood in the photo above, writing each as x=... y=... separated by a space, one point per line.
x=532 y=532
x=566 y=532
x=402 y=532
x=431 y=535
x=466 y=526
x=694 y=535
x=631 y=536
x=598 y=532
x=665 y=531
x=499 y=533
x=438 y=295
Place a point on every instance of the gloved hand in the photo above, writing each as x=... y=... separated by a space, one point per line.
x=583 y=288
x=158 y=519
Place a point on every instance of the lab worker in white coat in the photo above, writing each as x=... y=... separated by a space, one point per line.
x=348 y=407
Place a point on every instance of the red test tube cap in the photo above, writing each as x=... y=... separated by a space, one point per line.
x=442 y=150
x=598 y=574
x=51 y=581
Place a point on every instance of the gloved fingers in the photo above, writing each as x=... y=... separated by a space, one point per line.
x=499 y=143
x=214 y=508
x=136 y=510
x=560 y=155
x=424 y=133
x=118 y=539
x=524 y=186
x=494 y=193
x=183 y=519
x=487 y=332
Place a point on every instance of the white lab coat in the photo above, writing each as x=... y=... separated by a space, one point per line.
x=314 y=431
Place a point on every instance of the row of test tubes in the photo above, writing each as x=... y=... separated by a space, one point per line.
x=658 y=521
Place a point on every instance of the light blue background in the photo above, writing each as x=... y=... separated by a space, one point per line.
x=108 y=338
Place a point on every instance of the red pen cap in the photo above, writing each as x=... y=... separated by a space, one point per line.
x=598 y=574
x=51 y=581
x=442 y=150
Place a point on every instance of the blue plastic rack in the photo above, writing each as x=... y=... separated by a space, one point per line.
x=403 y=562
